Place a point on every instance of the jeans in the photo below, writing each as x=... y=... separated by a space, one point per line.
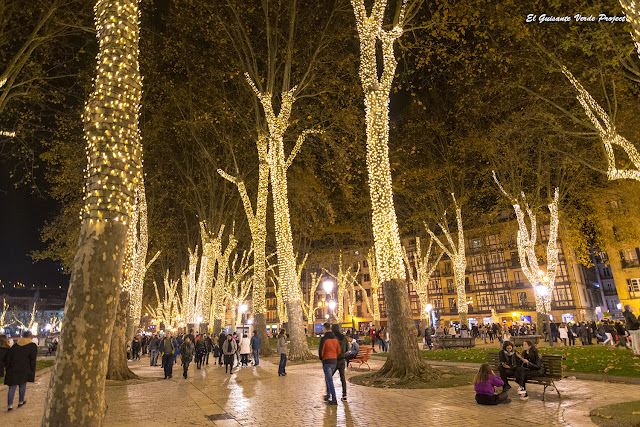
x=167 y=363
x=12 y=391
x=522 y=375
x=283 y=363
x=228 y=363
x=153 y=356
x=185 y=368
x=340 y=368
x=572 y=340
x=505 y=373
x=199 y=361
x=256 y=361
x=329 y=369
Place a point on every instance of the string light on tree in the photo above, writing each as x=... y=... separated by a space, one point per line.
x=527 y=245
x=420 y=280
x=344 y=279
x=458 y=257
x=632 y=11
x=610 y=137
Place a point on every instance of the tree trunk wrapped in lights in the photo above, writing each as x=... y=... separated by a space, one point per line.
x=527 y=237
x=76 y=392
x=30 y=320
x=278 y=164
x=258 y=226
x=168 y=308
x=422 y=276
x=237 y=286
x=188 y=289
x=344 y=279
x=610 y=137
x=218 y=305
x=458 y=258
x=309 y=305
x=211 y=248
x=632 y=10
x=374 y=306
x=404 y=359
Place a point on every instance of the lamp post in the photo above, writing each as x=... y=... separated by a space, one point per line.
x=332 y=306
x=543 y=293
x=243 y=309
x=429 y=307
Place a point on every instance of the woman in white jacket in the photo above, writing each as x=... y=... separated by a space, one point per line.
x=245 y=349
x=563 y=333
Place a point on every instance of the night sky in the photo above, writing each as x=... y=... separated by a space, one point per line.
x=22 y=215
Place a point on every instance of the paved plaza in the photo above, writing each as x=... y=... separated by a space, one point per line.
x=259 y=397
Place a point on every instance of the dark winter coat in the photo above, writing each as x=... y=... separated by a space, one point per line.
x=20 y=362
x=201 y=347
x=631 y=321
x=154 y=344
x=135 y=345
x=509 y=359
x=3 y=354
x=534 y=362
x=186 y=351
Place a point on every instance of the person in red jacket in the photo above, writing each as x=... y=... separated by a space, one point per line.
x=372 y=334
x=328 y=352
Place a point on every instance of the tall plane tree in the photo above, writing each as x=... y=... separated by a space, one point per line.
x=404 y=359
x=76 y=390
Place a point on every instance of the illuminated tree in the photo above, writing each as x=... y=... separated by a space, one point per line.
x=218 y=307
x=610 y=137
x=633 y=16
x=237 y=285
x=344 y=280
x=420 y=280
x=188 y=289
x=168 y=308
x=3 y=316
x=257 y=219
x=309 y=306
x=527 y=236
x=76 y=392
x=458 y=258
x=374 y=306
x=404 y=359
x=30 y=320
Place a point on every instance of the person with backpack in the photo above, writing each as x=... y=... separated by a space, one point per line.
x=168 y=347
x=341 y=363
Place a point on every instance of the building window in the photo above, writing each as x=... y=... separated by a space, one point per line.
x=434 y=285
x=450 y=287
x=522 y=299
x=499 y=276
x=367 y=277
x=562 y=295
x=497 y=257
x=629 y=257
x=447 y=269
x=562 y=275
x=606 y=272
x=544 y=233
x=634 y=287
x=453 y=304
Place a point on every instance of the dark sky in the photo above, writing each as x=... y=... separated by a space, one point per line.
x=22 y=215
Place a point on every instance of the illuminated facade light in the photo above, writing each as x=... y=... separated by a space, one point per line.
x=458 y=257
x=526 y=240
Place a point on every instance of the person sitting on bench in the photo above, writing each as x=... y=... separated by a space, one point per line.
x=531 y=366
x=508 y=364
x=354 y=348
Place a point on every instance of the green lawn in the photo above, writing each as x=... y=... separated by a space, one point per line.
x=617 y=415
x=589 y=359
x=41 y=364
x=312 y=341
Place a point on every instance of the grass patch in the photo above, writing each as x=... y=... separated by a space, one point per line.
x=617 y=415
x=592 y=359
x=41 y=364
x=449 y=377
x=312 y=341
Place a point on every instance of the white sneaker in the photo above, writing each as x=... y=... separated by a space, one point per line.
x=525 y=396
x=522 y=391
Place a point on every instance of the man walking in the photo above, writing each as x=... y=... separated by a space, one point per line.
x=153 y=351
x=20 y=364
x=208 y=343
x=186 y=353
x=168 y=348
x=633 y=326
x=328 y=352
x=229 y=349
x=256 y=342
x=221 y=340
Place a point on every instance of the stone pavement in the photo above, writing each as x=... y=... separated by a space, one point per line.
x=259 y=397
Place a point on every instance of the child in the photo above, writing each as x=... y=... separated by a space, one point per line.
x=484 y=384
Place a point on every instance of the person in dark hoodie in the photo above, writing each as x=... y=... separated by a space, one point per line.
x=531 y=366
x=508 y=364
x=186 y=354
x=20 y=364
x=328 y=352
x=340 y=366
x=4 y=349
x=222 y=338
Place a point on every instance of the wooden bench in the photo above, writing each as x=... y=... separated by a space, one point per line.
x=362 y=358
x=552 y=370
x=517 y=340
x=447 y=342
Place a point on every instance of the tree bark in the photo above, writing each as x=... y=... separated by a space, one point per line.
x=76 y=388
x=260 y=325
x=404 y=359
x=117 y=367
x=217 y=326
x=299 y=347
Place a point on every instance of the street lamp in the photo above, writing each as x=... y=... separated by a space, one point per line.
x=543 y=293
x=332 y=305
x=243 y=309
x=328 y=285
